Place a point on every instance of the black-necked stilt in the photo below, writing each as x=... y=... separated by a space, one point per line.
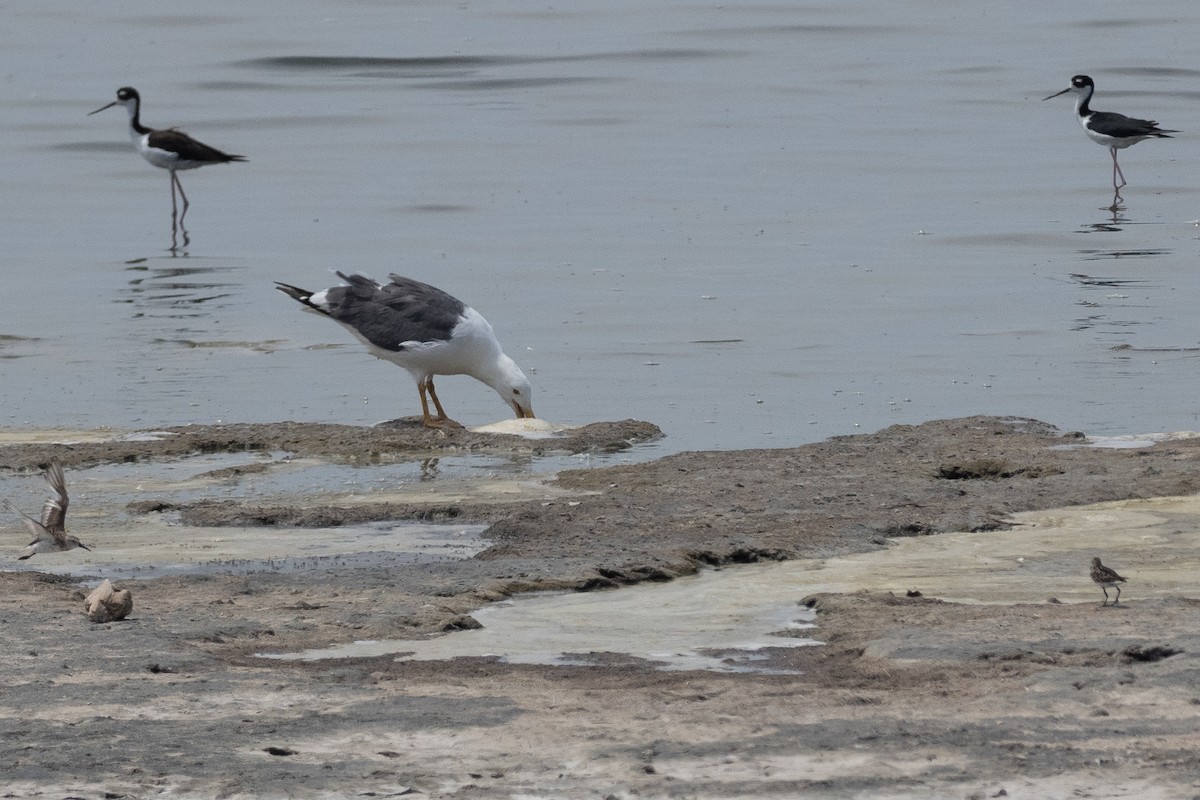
x=168 y=148
x=50 y=534
x=424 y=330
x=1114 y=131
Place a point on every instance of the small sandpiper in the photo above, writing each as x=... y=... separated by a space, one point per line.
x=49 y=535
x=1106 y=577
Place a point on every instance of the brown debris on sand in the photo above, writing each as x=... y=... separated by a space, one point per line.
x=106 y=603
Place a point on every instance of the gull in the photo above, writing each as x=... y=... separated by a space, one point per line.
x=424 y=330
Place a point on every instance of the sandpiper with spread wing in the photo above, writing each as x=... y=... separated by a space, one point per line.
x=50 y=534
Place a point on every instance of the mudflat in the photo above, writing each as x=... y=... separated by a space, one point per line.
x=1009 y=683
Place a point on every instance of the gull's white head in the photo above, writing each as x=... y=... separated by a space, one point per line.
x=513 y=387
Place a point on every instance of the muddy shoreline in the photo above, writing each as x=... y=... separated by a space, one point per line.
x=1036 y=699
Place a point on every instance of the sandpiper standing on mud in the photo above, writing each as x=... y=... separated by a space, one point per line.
x=1107 y=578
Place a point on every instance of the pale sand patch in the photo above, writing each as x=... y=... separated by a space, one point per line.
x=529 y=428
x=153 y=545
x=58 y=435
x=1155 y=543
x=1047 y=554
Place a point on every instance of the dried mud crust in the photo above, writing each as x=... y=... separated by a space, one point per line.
x=678 y=514
x=910 y=697
x=659 y=520
x=845 y=494
x=395 y=440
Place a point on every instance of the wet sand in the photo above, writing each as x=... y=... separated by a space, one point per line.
x=1013 y=679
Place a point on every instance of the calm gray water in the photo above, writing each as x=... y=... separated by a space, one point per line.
x=753 y=224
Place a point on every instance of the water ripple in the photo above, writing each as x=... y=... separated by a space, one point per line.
x=390 y=66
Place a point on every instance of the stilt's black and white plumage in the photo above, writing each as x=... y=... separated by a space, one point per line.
x=1114 y=131
x=424 y=330
x=168 y=148
x=50 y=534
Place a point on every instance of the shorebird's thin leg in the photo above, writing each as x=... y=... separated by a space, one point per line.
x=175 y=178
x=1118 y=600
x=1116 y=169
x=1105 y=590
x=174 y=208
